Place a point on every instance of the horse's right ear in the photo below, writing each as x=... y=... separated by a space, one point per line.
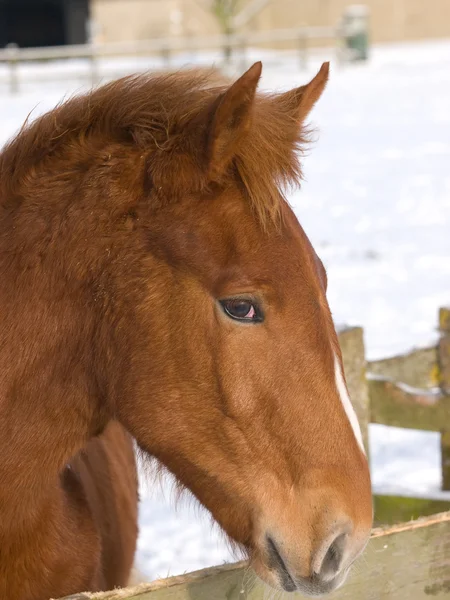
x=230 y=119
x=300 y=101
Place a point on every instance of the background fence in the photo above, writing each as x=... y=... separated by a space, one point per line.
x=22 y=65
x=413 y=391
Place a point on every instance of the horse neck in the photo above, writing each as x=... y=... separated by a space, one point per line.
x=49 y=405
x=45 y=420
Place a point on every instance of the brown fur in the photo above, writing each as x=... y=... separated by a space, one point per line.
x=125 y=215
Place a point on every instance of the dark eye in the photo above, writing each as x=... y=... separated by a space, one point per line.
x=242 y=310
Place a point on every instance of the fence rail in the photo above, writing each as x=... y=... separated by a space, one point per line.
x=172 y=44
x=400 y=405
x=408 y=561
x=165 y=48
x=413 y=391
x=418 y=368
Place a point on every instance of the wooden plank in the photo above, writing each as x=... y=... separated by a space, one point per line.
x=418 y=368
x=353 y=354
x=407 y=562
x=444 y=350
x=444 y=382
x=444 y=319
x=400 y=405
x=392 y=510
x=445 y=458
x=173 y=44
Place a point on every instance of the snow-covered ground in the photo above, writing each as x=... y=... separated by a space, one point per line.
x=376 y=205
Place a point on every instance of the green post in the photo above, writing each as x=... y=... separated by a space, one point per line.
x=445 y=459
x=444 y=382
x=444 y=350
x=355 y=32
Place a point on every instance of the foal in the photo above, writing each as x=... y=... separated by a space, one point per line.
x=155 y=284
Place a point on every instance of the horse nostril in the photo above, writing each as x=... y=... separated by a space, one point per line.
x=333 y=558
x=277 y=563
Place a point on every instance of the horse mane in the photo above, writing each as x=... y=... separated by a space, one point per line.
x=164 y=118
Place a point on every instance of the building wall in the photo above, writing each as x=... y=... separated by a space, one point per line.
x=125 y=20
x=391 y=20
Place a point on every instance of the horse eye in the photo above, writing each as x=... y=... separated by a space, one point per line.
x=242 y=310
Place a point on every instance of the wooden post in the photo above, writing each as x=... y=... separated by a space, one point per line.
x=95 y=78
x=243 y=52
x=339 y=47
x=445 y=459
x=13 y=61
x=227 y=47
x=303 y=51
x=165 y=55
x=444 y=382
x=353 y=354
x=444 y=350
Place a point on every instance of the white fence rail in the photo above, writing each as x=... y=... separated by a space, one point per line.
x=166 y=49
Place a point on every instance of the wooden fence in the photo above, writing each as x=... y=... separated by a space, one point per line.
x=166 y=49
x=407 y=560
x=412 y=391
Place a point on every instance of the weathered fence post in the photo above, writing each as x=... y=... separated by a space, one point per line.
x=444 y=350
x=303 y=50
x=353 y=354
x=95 y=77
x=243 y=52
x=165 y=55
x=13 y=61
x=444 y=382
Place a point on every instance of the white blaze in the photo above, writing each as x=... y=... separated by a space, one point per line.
x=349 y=410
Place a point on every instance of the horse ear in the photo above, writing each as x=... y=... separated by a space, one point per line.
x=301 y=100
x=231 y=119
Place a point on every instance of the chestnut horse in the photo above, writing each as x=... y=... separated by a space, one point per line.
x=156 y=285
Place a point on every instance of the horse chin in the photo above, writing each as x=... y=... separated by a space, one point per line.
x=313 y=589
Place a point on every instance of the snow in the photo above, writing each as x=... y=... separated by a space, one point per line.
x=376 y=205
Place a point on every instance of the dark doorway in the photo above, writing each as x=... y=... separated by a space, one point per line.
x=35 y=24
x=32 y=23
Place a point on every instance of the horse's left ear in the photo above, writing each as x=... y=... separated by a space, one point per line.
x=231 y=115
x=300 y=101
